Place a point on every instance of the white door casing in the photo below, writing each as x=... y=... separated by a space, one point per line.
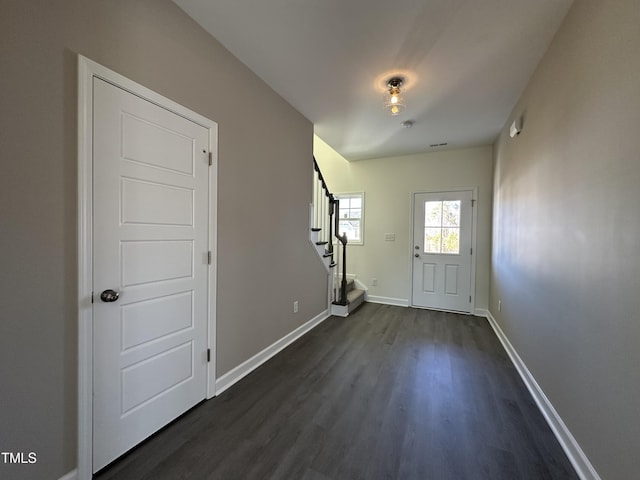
x=147 y=225
x=442 y=272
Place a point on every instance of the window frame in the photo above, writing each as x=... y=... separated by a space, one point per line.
x=348 y=195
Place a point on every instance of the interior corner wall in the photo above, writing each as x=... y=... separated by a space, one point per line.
x=387 y=184
x=264 y=188
x=565 y=260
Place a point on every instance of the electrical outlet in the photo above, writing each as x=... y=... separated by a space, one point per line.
x=374 y=282
x=499 y=305
x=295 y=306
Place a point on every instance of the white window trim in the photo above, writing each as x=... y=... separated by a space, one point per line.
x=341 y=195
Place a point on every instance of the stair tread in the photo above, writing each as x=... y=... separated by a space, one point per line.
x=351 y=284
x=355 y=293
x=355 y=298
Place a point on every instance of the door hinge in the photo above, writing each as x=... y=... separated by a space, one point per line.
x=91 y=297
x=209 y=257
x=208 y=355
x=210 y=158
x=471 y=251
x=469 y=298
x=473 y=202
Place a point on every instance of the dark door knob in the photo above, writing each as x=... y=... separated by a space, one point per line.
x=109 y=296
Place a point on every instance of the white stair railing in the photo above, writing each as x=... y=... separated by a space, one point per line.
x=325 y=223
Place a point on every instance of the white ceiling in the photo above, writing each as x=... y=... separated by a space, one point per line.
x=465 y=62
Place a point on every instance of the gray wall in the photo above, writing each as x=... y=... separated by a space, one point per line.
x=566 y=261
x=265 y=146
x=388 y=184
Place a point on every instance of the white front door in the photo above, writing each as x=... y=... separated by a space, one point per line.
x=442 y=235
x=150 y=240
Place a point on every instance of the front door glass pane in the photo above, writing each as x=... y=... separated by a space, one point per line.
x=442 y=227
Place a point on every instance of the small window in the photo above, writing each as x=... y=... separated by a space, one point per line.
x=442 y=227
x=351 y=217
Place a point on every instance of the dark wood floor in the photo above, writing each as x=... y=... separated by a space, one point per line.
x=387 y=393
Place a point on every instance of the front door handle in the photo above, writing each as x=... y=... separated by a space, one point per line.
x=417 y=255
x=109 y=296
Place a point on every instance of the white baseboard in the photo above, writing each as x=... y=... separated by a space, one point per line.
x=571 y=448
x=72 y=475
x=398 y=302
x=248 y=366
x=481 y=312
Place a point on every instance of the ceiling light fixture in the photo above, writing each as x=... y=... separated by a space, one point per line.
x=394 y=102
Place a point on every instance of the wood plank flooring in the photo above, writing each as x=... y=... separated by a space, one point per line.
x=387 y=393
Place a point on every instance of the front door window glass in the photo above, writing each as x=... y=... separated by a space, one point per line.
x=442 y=227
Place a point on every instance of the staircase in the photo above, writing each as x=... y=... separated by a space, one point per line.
x=355 y=298
x=331 y=247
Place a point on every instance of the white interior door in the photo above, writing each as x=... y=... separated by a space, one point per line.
x=442 y=236
x=150 y=231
